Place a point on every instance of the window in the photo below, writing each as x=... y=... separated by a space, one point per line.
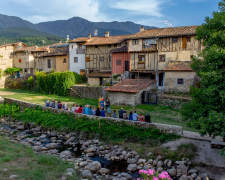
x=20 y=61
x=191 y=56
x=82 y=72
x=87 y=59
x=40 y=65
x=25 y=70
x=162 y=58
x=101 y=59
x=188 y=39
x=75 y=59
x=39 y=54
x=175 y=39
x=64 y=61
x=49 y=63
x=135 y=41
x=79 y=46
x=141 y=58
x=72 y=47
x=96 y=46
x=180 y=81
x=118 y=62
x=115 y=45
x=109 y=46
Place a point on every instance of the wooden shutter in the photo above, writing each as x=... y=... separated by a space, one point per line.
x=184 y=45
x=20 y=60
x=87 y=59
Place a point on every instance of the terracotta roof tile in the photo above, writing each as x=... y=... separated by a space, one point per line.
x=99 y=74
x=61 y=53
x=80 y=39
x=178 y=66
x=106 y=40
x=30 y=48
x=12 y=44
x=43 y=48
x=131 y=85
x=164 y=32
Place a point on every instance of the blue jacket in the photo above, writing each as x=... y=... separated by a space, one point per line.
x=103 y=113
x=90 y=111
x=86 y=111
x=130 y=117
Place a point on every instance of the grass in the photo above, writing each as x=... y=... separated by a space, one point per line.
x=159 y=114
x=22 y=161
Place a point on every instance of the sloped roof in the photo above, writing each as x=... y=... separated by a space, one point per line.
x=131 y=85
x=165 y=32
x=61 y=53
x=178 y=66
x=59 y=45
x=106 y=40
x=100 y=74
x=43 y=48
x=119 y=49
x=12 y=44
x=80 y=39
x=30 y=48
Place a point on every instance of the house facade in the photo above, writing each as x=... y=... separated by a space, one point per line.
x=24 y=59
x=152 y=51
x=38 y=59
x=77 y=55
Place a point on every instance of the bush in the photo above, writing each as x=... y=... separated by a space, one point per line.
x=12 y=70
x=79 y=78
x=31 y=80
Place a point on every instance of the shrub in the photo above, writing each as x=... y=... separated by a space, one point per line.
x=79 y=78
x=31 y=80
x=115 y=77
x=12 y=70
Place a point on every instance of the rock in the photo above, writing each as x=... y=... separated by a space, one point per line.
x=169 y=163
x=43 y=136
x=159 y=157
x=166 y=161
x=184 y=177
x=146 y=167
x=51 y=146
x=198 y=178
x=132 y=167
x=141 y=161
x=150 y=161
x=121 y=157
x=139 y=166
x=94 y=166
x=104 y=171
x=204 y=176
x=37 y=129
x=183 y=169
x=44 y=149
x=95 y=141
x=194 y=175
x=128 y=156
x=36 y=148
x=155 y=162
x=83 y=163
x=192 y=171
x=160 y=169
x=70 y=170
x=13 y=177
x=69 y=174
x=65 y=154
x=131 y=161
x=149 y=154
x=90 y=150
x=90 y=154
x=64 y=178
x=159 y=164
x=172 y=172
x=20 y=127
x=87 y=174
x=116 y=174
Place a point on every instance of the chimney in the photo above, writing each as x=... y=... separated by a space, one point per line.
x=89 y=36
x=107 y=34
x=142 y=28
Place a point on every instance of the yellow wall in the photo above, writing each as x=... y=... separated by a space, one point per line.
x=59 y=63
x=45 y=63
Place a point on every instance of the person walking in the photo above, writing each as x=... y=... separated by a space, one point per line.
x=121 y=113
x=141 y=118
x=148 y=118
x=131 y=116
x=98 y=112
x=109 y=112
x=135 y=116
x=114 y=114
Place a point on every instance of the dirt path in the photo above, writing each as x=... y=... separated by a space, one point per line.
x=2 y=93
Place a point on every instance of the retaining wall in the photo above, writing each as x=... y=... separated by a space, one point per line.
x=163 y=127
x=88 y=92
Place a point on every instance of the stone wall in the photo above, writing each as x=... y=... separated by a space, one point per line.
x=88 y=92
x=173 y=101
x=163 y=127
x=14 y=83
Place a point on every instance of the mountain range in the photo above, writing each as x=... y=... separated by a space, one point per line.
x=74 y=27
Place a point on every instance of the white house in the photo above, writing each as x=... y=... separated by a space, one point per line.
x=77 y=55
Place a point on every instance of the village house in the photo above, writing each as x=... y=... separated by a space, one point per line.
x=57 y=59
x=24 y=59
x=6 y=58
x=38 y=59
x=99 y=59
x=164 y=54
x=77 y=55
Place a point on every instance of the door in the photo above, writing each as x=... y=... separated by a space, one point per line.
x=101 y=81
x=127 y=66
x=18 y=74
x=160 y=79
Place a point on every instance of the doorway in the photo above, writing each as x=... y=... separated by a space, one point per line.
x=127 y=66
x=101 y=81
x=161 y=80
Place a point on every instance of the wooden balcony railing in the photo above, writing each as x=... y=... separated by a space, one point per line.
x=152 y=47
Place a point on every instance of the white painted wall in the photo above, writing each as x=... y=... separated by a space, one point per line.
x=75 y=67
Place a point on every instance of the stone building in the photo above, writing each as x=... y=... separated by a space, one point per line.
x=129 y=91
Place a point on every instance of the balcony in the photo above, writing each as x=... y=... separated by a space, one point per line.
x=141 y=65
x=80 y=51
x=151 y=47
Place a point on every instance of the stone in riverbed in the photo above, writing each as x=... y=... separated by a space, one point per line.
x=90 y=150
x=51 y=146
x=132 y=167
x=160 y=169
x=87 y=174
x=104 y=171
x=13 y=177
x=172 y=172
x=94 y=166
x=183 y=168
x=159 y=164
x=90 y=154
x=141 y=161
x=70 y=170
x=65 y=154
x=128 y=176
x=83 y=163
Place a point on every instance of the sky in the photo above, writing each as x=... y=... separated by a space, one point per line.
x=144 y=12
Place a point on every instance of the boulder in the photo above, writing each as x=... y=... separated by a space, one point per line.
x=160 y=169
x=183 y=168
x=132 y=167
x=184 y=177
x=172 y=172
x=90 y=154
x=128 y=176
x=155 y=162
x=159 y=164
x=37 y=129
x=36 y=148
x=169 y=163
x=20 y=127
x=51 y=146
x=104 y=171
x=43 y=136
x=83 y=163
x=94 y=166
x=192 y=171
x=65 y=154
x=194 y=175
x=90 y=150
x=141 y=161
x=204 y=176
x=70 y=170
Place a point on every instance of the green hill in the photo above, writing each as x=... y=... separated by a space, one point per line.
x=15 y=32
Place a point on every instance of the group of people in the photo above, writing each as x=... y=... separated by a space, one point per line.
x=102 y=110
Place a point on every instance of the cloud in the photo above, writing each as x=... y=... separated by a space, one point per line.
x=50 y=10
x=141 y=7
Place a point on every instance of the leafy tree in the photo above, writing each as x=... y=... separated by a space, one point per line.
x=206 y=110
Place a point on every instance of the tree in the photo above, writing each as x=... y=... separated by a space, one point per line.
x=206 y=110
